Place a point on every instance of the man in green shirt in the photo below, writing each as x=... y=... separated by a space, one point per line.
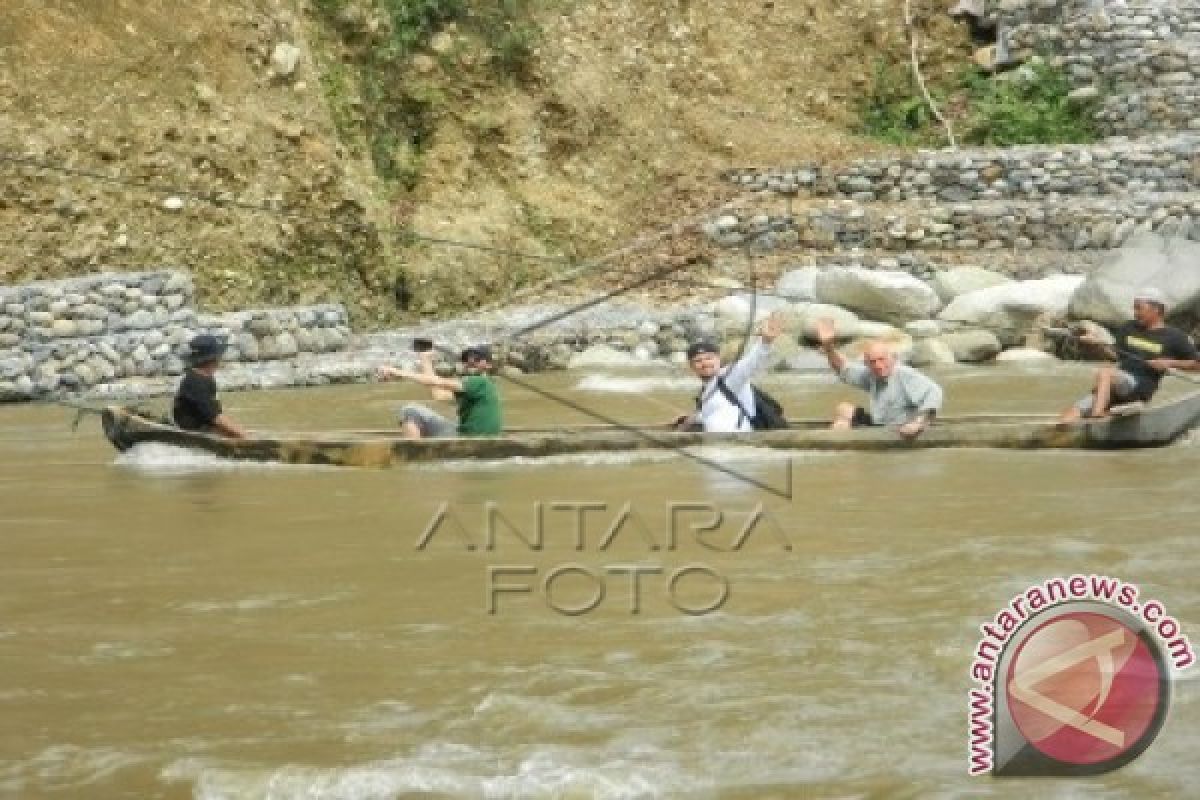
x=475 y=394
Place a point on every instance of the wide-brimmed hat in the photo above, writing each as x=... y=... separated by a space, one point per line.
x=205 y=348
x=477 y=352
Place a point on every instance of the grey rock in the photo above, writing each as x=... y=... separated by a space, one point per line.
x=63 y=328
x=971 y=346
x=931 y=352
x=1023 y=355
x=799 y=284
x=284 y=59
x=1171 y=265
x=895 y=297
x=951 y=283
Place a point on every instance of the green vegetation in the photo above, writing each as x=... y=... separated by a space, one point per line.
x=397 y=107
x=895 y=111
x=1028 y=105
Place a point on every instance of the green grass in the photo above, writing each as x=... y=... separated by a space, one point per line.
x=1028 y=105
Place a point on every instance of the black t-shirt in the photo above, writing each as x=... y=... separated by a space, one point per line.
x=1137 y=345
x=196 y=404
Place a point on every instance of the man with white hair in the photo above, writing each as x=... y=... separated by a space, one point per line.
x=900 y=396
x=1144 y=350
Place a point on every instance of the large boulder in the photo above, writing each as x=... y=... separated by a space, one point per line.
x=1171 y=265
x=805 y=359
x=950 y=283
x=924 y=328
x=845 y=323
x=739 y=312
x=931 y=352
x=1012 y=309
x=799 y=284
x=894 y=297
x=971 y=345
x=783 y=349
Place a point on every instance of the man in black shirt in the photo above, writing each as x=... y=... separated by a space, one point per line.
x=1144 y=350
x=196 y=406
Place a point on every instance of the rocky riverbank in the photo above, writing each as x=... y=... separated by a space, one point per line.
x=965 y=314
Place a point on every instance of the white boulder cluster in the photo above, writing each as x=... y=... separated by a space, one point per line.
x=970 y=314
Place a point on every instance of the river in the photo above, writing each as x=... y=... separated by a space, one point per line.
x=172 y=626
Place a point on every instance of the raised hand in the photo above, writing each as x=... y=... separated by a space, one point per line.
x=771 y=327
x=826 y=334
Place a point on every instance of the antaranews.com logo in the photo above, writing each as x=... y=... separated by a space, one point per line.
x=1073 y=677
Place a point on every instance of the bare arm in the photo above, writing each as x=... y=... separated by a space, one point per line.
x=228 y=427
x=1164 y=364
x=755 y=357
x=435 y=382
x=439 y=392
x=825 y=337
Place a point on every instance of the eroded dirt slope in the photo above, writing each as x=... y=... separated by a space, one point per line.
x=628 y=111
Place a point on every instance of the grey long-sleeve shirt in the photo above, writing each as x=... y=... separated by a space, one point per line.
x=899 y=398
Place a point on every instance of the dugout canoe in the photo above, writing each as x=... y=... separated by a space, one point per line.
x=1154 y=426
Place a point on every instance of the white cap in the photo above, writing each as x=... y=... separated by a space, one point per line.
x=1149 y=294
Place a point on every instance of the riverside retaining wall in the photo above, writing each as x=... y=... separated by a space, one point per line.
x=70 y=335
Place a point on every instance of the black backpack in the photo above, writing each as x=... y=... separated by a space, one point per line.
x=768 y=412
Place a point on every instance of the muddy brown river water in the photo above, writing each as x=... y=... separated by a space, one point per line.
x=172 y=626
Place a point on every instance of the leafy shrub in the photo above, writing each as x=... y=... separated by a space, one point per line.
x=1028 y=105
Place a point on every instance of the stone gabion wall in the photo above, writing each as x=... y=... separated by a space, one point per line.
x=1143 y=59
x=96 y=305
x=785 y=180
x=1104 y=223
x=275 y=333
x=1009 y=14
x=73 y=334
x=1164 y=164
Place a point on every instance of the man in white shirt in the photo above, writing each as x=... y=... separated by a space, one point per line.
x=717 y=413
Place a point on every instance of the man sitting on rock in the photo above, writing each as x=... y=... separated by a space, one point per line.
x=196 y=407
x=726 y=402
x=1144 y=349
x=900 y=396
x=475 y=394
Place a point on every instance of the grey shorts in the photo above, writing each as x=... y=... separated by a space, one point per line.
x=1124 y=387
x=430 y=423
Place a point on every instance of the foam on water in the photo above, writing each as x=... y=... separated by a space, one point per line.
x=64 y=766
x=446 y=769
x=262 y=602
x=716 y=454
x=577 y=459
x=105 y=652
x=507 y=709
x=165 y=459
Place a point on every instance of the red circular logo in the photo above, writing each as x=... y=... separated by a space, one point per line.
x=1084 y=688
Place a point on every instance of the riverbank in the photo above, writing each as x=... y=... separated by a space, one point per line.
x=126 y=334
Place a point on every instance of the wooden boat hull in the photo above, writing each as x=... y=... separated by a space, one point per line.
x=1157 y=426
